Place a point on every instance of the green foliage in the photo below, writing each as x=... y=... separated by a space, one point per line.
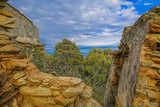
x=68 y=61
x=97 y=64
x=43 y=61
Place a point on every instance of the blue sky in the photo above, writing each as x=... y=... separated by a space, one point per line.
x=86 y=22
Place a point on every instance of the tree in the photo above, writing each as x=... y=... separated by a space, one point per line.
x=98 y=60
x=68 y=58
x=97 y=64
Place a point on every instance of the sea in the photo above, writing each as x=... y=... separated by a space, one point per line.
x=85 y=49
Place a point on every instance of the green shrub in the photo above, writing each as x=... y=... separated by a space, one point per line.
x=68 y=61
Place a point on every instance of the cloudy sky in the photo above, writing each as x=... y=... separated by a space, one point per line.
x=86 y=22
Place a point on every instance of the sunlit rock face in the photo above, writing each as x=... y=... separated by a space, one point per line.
x=148 y=84
x=23 y=85
x=134 y=79
x=23 y=31
x=23 y=27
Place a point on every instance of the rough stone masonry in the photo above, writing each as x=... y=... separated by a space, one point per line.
x=134 y=78
x=21 y=83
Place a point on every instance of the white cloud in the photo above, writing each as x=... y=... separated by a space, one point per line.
x=147 y=4
x=94 y=41
x=87 y=22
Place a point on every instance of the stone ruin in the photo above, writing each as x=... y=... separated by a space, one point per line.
x=134 y=78
x=21 y=82
x=24 y=30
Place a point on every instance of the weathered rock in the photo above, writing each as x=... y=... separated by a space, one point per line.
x=36 y=91
x=42 y=100
x=134 y=75
x=73 y=91
x=88 y=103
x=87 y=92
x=9 y=49
x=23 y=27
x=21 y=82
x=27 y=40
x=65 y=81
x=6 y=34
x=61 y=100
x=3 y=37
x=14 y=63
x=4 y=42
x=6 y=22
x=5 y=13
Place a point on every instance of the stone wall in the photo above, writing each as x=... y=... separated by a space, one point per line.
x=135 y=73
x=24 y=28
x=22 y=84
x=148 y=84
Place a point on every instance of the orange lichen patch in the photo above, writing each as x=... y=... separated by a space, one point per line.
x=39 y=101
x=153 y=37
x=5 y=13
x=119 y=103
x=9 y=49
x=156 y=60
x=14 y=63
x=151 y=54
x=7 y=56
x=155 y=26
x=3 y=37
x=4 y=42
x=64 y=101
x=6 y=22
x=149 y=72
x=147 y=88
x=6 y=34
x=141 y=102
x=31 y=67
x=87 y=103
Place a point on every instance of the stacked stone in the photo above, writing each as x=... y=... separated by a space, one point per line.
x=148 y=84
x=49 y=91
x=23 y=85
x=134 y=78
x=7 y=53
x=24 y=32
